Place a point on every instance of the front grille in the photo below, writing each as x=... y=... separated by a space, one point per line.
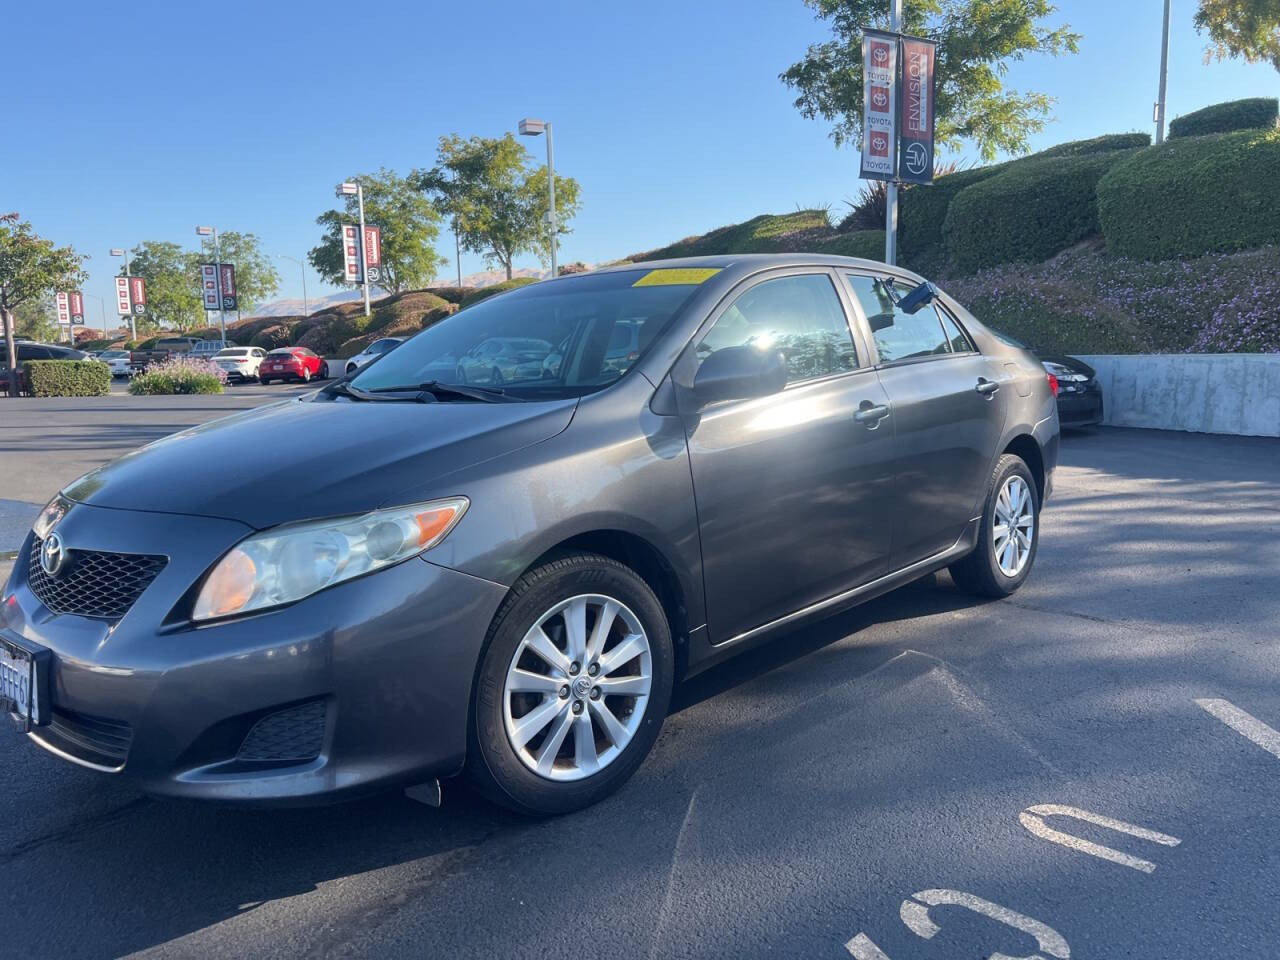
x=95 y=739
x=93 y=584
x=294 y=735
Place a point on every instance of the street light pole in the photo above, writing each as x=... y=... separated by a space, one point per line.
x=217 y=276
x=305 y=309
x=364 y=266
x=531 y=128
x=124 y=252
x=1164 y=76
x=891 y=188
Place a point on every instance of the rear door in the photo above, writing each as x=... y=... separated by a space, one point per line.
x=949 y=404
x=792 y=490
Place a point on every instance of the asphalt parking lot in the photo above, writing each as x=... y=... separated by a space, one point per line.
x=1089 y=769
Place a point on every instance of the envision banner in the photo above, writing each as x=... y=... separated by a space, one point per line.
x=75 y=301
x=229 y=296
x=915 y=147
x=138 y=294
x=373 y=252
x=879 y=93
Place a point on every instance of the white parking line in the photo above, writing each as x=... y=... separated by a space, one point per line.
x=1031 y=819
x=862 y=948
x=1243 y=724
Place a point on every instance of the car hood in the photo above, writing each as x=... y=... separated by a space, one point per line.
x=309 y=458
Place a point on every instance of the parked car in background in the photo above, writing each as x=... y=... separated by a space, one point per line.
x=1079 y=393
x=208 y=349
x=29 y=350
x=404 y=579
x=292 y=363
x=241 y=363
x=372 y=352
x=118 y=361
x=499 y=359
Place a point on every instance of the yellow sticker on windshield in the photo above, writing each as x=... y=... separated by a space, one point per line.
x=675 y=276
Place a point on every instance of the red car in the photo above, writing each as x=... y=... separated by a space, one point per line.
x=292 y=363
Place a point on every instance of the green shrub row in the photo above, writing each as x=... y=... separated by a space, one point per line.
x=68 y=378
x=1193 y=196
x=1256 y=113
x=475 y=296
x=867 y=244
x=1103 y=144
x=922 y=210
x=1031 y=211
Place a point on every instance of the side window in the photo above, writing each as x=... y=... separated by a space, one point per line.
x=960 y=342
x=801 y=316
x=898 y=335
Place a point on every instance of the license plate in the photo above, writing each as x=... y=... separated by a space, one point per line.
x=24 y=683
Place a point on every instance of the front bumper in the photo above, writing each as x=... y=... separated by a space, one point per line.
x=362 y=686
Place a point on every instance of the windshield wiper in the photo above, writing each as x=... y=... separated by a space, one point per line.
x=435 y=389
x=355 y=393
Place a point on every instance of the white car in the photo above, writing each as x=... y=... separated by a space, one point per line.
x=118 y=361
x=241 y=363
x=372 y=352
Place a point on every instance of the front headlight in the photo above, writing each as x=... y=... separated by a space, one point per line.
x=53 y=511
x=288 y=563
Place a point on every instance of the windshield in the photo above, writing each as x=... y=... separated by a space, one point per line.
x=113 y=354
x=547 y=340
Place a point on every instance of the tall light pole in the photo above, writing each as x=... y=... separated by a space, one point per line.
x=357 y=188
x=891 y=187
x=124 y=252
x=1164 y=76
x=217 y=274
x=301 y=266
x=103 y=304
x=531 y=128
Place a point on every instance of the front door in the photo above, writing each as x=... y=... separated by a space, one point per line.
x=792 y=489
x=949 y=404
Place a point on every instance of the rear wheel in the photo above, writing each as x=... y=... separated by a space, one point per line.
x=572 y=688
x=306 y=375
x=324 y=371
x=1010 y=533
x=264 y=380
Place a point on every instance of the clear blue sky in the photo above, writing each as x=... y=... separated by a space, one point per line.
x=136 y=122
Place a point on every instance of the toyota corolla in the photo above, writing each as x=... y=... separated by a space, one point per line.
x=397 y=578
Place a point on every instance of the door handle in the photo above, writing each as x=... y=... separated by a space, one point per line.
x=987 y=387
x=871 y=415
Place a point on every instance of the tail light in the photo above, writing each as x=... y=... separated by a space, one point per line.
x=1053 y=383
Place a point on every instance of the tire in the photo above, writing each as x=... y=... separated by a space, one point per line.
x=306 y=375
x=495 y=377
x=324 y=371
x=351 y=368
x=509 y=777
x=981 y=572
x=265 y=381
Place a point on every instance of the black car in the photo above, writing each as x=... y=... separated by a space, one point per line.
x=1079 y=393
x=29 y=350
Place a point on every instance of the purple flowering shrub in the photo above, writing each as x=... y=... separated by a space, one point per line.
x=181 y=373
x=1087 y=302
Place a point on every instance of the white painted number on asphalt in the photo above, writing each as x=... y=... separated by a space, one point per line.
x=1032 y=819
x=1242 y=723
x=916 y=916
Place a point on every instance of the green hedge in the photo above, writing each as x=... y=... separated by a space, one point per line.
x=1104 y=144
x=868 y=244
x=922 y=210
x=68 y=378
x=485 y=293
x=1258 y=113
x=1194 y=196
x=1028 y=213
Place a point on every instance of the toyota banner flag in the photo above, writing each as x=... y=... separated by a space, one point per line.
x=122 y=296
x=351 y=254
x=75 y=301
x=209 y=286
x=373 y=252
x=879 y=93
x=915 y=150
x=63 y=303
x=229 y=298
x=138 y=294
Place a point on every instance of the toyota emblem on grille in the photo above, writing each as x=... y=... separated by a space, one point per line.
x=52 y=555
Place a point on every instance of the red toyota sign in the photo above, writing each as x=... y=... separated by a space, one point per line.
x=138 y=294
x=915 y=132
x=351 y=253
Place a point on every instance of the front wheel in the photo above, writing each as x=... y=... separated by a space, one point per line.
x=324 y=371
x=573 y=686
x=1009 y=536
x=306 y=375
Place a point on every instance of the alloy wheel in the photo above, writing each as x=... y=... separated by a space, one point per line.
x=1014 y=528
x=577 y=687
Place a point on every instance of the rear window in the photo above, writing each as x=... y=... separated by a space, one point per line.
x=236 y=352
x=282 y=352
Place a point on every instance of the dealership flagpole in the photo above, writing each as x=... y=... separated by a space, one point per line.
x=891 y=187
x=364 y=266
x=1164 y=76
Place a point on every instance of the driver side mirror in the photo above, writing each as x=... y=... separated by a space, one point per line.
x=740 y=373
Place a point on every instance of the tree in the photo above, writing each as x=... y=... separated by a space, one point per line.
x=496 y=198
x=1242 y=28
x=173 y=284
x=37 y=319
x=256 y=276
x=410 y=225
x=31 y=267
x=976 y=41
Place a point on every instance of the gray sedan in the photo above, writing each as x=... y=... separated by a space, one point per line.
x=507 y=581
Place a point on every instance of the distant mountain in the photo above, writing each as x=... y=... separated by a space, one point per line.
x=292 y=307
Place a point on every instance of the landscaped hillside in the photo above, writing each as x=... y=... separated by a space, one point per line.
x=1095 y=246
